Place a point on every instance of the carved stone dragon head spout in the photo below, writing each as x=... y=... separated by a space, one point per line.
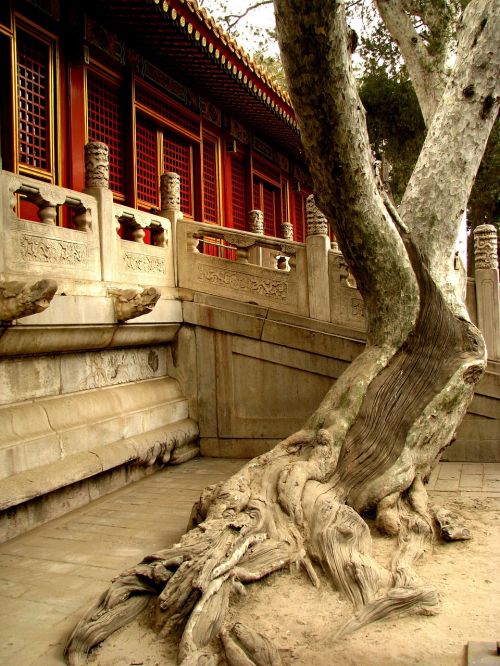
x=20 y=299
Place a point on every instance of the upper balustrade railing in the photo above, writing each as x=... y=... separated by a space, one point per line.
x=121 y=247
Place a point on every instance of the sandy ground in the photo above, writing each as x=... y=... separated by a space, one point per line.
x=302 y=619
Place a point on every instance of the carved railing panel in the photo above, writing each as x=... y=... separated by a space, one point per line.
x=145 y=250
x=346 y=305
x=43 y=248
x=277 y=285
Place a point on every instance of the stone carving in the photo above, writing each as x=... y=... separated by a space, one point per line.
x=108 y=368
x=238 y=240
x=288 y=249
x=357 y=308
x=20 y=299
x=316 y=221
x=50 y=250
x=14 y=186
x=96 y=164
x=256 y=221
x=131 y=303
x=143 y=263
x=486 y=246
x=274 y=288
x=170 y=191
x=287 y=230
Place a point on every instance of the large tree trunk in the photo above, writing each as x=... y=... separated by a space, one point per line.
x=373 y=441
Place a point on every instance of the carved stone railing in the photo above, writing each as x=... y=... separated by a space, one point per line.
x=134 y=260
x=487 y=287
x=41 y=248
x=280 y=287
x=346 y=305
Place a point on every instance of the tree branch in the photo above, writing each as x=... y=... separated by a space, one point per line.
x=334 y=135
x=426 y=71
x=439 y=188
x=231 y=24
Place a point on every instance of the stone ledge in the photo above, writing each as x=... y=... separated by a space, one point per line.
x=23 y=340
x=145 y=448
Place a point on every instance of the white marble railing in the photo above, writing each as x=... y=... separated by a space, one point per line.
x=44 y=248
x=105 y=242
x=241 y=265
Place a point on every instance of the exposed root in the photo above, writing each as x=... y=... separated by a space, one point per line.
x=129 y=594
x=245 y=647
x=395 y=602
x=450 y=529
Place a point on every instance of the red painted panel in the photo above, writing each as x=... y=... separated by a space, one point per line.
x=147 y=162
x=298 y=227
x=105 y=123
x=177 y=156
x=210 y=186
x=239 y=208
x=269 y=209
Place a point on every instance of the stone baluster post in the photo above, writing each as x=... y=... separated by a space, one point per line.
x=287 y=230
x=317 y=248
x=487 y=287
x=256 y=226
x=170 y=208
x=48 y=198
x=97 y=184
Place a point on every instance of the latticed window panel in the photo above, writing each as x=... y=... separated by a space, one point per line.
x=178 y=157
x=239 y=209
x=165 y=110
x=269 y=209
x=284 y=202
x=257 y=203
x=147 y=162
x=210 y=184
x=298 y=205
x=105 y=124
x=34 y=90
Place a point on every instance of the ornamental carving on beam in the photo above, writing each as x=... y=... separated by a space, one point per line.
x=486 y=246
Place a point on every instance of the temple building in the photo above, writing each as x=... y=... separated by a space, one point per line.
x=167 y=91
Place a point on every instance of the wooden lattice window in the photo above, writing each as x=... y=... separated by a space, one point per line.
x=269 y=209
x=147 y=162
x=239 y=209
x=298 y=206
x=178 y=157
x=34 y=101
x=210 y=182
x=105 y=123
x=167 y=110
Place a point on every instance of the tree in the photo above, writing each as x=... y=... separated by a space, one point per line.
x=374 y=439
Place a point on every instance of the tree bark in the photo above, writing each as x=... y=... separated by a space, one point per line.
x=374 y=439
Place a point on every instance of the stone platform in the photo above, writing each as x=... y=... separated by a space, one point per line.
x=49 y=575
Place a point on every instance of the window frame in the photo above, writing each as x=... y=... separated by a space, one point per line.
x=37 y=33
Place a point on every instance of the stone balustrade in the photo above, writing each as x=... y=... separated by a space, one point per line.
x=105 y=242
x=225 y=262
